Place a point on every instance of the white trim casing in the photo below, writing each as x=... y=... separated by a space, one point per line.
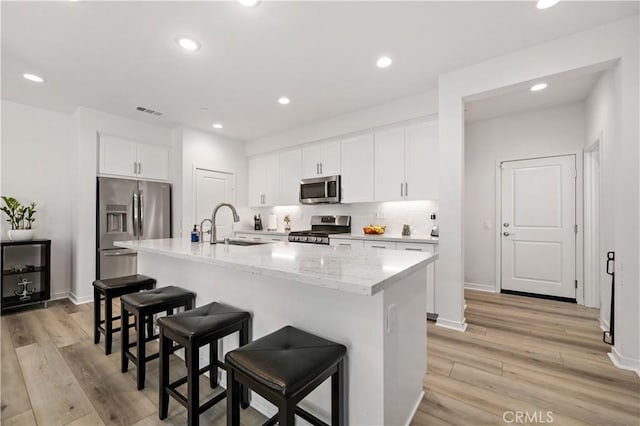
x=452 y=325
x=480 y=287
x=79 y=300
x=623 y=362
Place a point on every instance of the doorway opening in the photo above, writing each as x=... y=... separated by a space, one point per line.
x=212 y=188
x=592 y=254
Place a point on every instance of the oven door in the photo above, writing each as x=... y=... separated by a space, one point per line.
x=322 y=190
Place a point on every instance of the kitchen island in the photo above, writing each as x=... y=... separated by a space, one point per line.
x=372 y=301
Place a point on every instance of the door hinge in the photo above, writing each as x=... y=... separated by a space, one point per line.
x=576 y=283
x=575 y=229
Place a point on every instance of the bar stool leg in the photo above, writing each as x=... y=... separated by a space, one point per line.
x=96 y=316
x=140 y=346
x=150 y=325
x=163 y=406
x=337 y=396
x=124 y=339
x=213 y=357
x=108 y=324
x=233 y=399
x=286 y=413
x=193 y=390
x=244 y=340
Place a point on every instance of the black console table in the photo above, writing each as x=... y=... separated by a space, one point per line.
x=26 y=273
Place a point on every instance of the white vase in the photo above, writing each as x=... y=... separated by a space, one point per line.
x=21 y=234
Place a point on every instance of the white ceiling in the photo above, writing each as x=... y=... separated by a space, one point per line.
x=561 y=89
x=114 y=56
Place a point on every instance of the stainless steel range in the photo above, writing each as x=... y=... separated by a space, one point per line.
x=321 y=228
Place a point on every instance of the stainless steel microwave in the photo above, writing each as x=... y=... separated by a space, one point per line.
x=320 y=190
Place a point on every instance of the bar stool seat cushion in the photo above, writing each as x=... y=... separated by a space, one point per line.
x=203 y=320
x=286 y=360
x=121 y=282
x=155 y=297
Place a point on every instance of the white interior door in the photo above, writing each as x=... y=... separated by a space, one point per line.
x=538 y=226
x=213 y=188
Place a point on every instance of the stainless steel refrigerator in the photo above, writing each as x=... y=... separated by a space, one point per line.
x=129 y=210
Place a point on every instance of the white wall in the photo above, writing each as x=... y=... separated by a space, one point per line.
x=600 y=113
x=402 y=109
x=88 y=123
x=37 y=165
x=553 y=131
x=615 y=41
x=212 y=152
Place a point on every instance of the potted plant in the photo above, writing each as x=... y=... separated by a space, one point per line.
x=20 y=217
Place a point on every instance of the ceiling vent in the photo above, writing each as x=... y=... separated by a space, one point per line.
x=148 y=110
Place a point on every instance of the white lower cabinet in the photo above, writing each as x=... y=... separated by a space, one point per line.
x=431 y=272
x=344 y=243
x=261 y=237
x=380 y=245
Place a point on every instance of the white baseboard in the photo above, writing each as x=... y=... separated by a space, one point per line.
x=450 y=324
x=623 y=362
x=480 y=287
x=58 y=296
x=415 y=408
x=79 y=300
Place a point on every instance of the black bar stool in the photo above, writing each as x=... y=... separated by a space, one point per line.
x=193 y=329
x=109 y=289
x=143 y=306
x=284 y=367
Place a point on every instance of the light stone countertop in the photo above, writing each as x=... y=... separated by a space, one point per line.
x=354 y=270
x=417 y=238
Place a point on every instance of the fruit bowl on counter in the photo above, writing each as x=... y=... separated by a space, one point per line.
x=374 y=230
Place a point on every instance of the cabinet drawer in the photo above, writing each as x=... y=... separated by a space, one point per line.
x=428 y=248
x=345 y=243
x=380 y=245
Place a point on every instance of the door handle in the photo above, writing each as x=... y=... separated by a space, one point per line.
x=406 y=189
x=139 y=168
x=135 y=168
x=506 y=224
x=135 y=214
x=141 y=219
x=506 y=234
x=317 y=168
x=126 y=252
x=378 y=247
x=413 y=249
x=401 y=189
x=320 y=168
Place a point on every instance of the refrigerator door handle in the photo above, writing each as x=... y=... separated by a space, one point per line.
x=135 y=214
x=122 y=252
x=141 y=215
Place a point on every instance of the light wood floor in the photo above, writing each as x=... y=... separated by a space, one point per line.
x=529 y=355
x=519 y=354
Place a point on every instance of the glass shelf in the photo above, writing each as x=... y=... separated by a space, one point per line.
x=9 y=272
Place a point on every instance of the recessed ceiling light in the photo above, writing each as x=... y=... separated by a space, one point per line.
x=188 y=44
x=383 y=62
x=33 y=77
x=217 y=126
x=538 y=87
x=204 y=109
x=545 y=4
x=284 y=100
x=249 y=3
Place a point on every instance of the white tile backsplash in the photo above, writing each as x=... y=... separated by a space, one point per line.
x=392 y=214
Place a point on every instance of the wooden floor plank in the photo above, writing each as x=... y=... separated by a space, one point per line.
x=92 y=419
x=15 y=399
x=23 y=419
x=113 y=394
x=56 y=397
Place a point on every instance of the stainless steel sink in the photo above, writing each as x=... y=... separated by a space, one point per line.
x=243 y=243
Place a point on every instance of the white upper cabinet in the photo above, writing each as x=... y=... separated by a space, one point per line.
x=264 y=180
x=122 y=157
x=290 y=175
x=321 y=159
x=406 y=163
x=389 y=165
x=153 y=162
x=118 y=156
x=357 y=169
x=421 y=161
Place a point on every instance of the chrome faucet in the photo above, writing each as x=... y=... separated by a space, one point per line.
x=236 y=218
x=201 y=236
